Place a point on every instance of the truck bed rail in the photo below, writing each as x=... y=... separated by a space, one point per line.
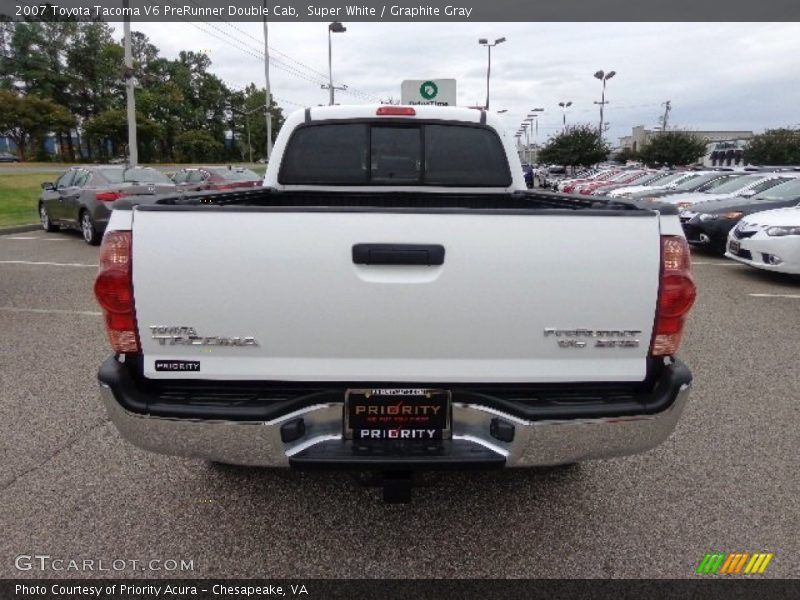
x=470 y=201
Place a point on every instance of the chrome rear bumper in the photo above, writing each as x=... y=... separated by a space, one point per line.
x=535 y=443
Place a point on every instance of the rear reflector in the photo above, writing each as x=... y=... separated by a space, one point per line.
x=109 y=196
x=676 y=295
x=113 y=289
x=396 y=111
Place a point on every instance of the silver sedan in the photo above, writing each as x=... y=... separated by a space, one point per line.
x=82 y=197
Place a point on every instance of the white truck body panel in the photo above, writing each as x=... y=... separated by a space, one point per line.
x=288 y=280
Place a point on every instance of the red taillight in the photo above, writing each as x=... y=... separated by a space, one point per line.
x=109 y=196
x=395 y=111
x=676 y=294
x=113 y=289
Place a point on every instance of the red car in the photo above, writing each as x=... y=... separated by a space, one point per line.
x=571 y=187
x=193 y=179
x=621 y=179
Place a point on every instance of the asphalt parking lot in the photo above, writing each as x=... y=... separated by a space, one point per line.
x=726 y=481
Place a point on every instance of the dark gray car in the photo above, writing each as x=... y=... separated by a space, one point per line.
x=82 y=197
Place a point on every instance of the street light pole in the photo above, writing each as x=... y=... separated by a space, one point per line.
x=527 y=138
x=330 y=68
x=604 y=77
x=533 y=117
x=249 y=143
x=335 y=27
x=665 y=119
x=247 y=114
x=564 y=106
x=488 y=74
x=485 y=42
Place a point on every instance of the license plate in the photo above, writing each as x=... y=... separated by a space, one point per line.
x=397 y=414
x=734 y=246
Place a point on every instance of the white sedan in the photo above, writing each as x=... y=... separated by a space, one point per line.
x=768 y=240
x=665 y=181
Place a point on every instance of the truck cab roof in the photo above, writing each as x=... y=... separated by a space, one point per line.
x=395 y=114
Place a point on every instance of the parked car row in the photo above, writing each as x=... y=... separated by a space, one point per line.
x=82 y=196
x=193 y=179
x=750 y=216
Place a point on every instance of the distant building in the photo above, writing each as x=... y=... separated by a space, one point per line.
x=725 y=153
x=724 y=148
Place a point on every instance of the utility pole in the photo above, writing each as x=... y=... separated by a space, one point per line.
x=665 y=119
x=130 y=100
x=268 y=92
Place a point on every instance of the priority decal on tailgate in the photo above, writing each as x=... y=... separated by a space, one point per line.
x=177 y=365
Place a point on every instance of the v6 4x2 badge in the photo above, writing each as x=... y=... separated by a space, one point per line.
x=596 y=338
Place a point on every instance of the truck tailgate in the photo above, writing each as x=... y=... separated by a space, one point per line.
x=206 y=280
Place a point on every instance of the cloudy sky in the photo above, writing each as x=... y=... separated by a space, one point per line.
x=717 y=75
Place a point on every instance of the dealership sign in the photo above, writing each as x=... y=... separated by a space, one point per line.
x=432 y=92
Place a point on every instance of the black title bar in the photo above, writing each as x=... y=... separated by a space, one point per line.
x=409 y=11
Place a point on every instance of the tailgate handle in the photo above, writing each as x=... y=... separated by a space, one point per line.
x=398 y=254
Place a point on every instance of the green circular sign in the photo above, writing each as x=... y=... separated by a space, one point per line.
x=428 y=90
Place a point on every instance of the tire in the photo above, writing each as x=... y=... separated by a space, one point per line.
x=88 y=229
x=719 y=248
x=44 y=219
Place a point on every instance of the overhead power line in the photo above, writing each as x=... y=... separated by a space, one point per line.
x=311 y=74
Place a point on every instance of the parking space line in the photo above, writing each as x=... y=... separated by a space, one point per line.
x=55 y=311
x=797 y=296
x=30 y=237
x=46 y=264
x=718 y=263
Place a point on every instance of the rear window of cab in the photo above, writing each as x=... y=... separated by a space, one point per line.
x=418 y=154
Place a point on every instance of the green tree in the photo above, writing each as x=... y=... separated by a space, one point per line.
x=111 y=128
x=673 y=148
x=33 y=61
x=774 y=147
x=94 y=64
x=33 y=57
x=78 y=65
x=198 y=146
x=576 y=145
x=27 y=119
x=253 y=104
x=626 y=154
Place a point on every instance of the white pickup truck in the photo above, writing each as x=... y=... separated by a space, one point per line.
x=393 y=299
